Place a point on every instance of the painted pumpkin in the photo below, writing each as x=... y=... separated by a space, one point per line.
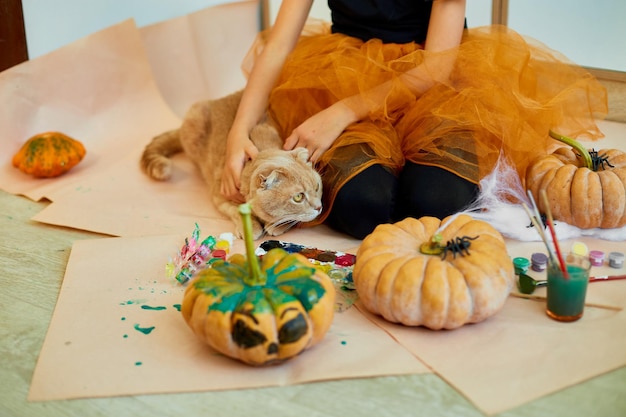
x=260 y=312
x=586 y=189
x=48 y=154
x=432 y=273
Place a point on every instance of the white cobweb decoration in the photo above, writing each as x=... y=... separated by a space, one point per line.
x=499 y=204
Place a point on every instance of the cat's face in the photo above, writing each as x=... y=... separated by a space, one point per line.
x=285 y=190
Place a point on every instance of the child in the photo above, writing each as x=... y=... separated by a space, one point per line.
x=402 y=108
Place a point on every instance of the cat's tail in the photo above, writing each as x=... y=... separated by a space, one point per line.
x=155 y=161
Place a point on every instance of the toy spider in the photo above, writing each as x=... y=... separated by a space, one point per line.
x=457 y=245
x=599 y=160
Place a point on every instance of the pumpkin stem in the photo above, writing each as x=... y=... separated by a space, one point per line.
x=576 y=145
x=255 y=276
x=433 y=246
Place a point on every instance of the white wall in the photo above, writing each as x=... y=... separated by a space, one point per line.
x=591 y=33
x=54 y=23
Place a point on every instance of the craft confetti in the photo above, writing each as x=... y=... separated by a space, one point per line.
x=196 y=254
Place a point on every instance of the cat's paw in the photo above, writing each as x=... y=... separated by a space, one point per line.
x=257 y=229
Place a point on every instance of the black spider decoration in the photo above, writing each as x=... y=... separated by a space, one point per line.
x=544 y=221
x=458 y=245
x=598 y=160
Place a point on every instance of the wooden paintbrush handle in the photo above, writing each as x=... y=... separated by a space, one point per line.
x=607 y=278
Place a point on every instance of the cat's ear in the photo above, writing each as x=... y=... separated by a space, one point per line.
x=302 y=154
x=270 y=180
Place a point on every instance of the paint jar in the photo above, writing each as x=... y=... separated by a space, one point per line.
x=539 y=261
x=596 y=257
x=521 y=265
x=223 y=245
x=219 y=254
x=616 y=259
x=579 y=248
x=337 y=274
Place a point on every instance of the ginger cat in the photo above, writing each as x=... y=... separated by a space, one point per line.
x=282 y=187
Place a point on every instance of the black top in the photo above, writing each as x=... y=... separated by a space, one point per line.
x=392 y=21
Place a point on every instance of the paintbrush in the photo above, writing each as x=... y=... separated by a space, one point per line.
x=550 y=223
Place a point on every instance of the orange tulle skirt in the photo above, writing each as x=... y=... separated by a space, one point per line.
x=504 y=94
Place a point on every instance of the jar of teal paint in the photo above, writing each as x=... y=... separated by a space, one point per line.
x=521 y=265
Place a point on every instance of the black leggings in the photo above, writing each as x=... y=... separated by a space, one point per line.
x=376 y=196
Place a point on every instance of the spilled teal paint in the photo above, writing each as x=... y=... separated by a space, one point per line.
x=147 y=307
x=177 y=306
x=138 y=363
x=144 y=330
x=131 y=302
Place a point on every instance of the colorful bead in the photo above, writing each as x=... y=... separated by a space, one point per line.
x=198 y=259
x=209 y=242
x=193 y=255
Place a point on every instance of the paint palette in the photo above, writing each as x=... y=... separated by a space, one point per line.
x=337 y=265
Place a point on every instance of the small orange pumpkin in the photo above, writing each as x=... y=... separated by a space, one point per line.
x=407 y=274
x=585 y=189
x=48 y=154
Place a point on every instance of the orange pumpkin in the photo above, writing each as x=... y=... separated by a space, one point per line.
x=432 y=273
x=586 y=189
x=48 y=155
x=260 y=313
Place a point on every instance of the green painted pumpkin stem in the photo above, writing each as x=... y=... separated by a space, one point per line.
x=576 y=145
x=255 y=275
x=433 y=246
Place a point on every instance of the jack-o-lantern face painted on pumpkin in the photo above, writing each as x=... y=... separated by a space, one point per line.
x=286 y=329
x=260 y=317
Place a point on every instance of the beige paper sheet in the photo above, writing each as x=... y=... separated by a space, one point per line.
x=519 y=354
x=95 y=346
x=108 y=91
x=98 y=90
x=198 y=56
